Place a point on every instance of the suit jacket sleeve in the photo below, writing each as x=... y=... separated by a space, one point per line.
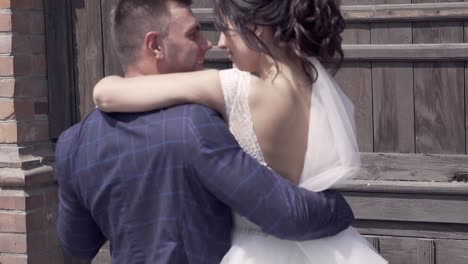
x=256 y=192
x=78 y=233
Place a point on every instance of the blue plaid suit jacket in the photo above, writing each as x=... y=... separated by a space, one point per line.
x=160 y=187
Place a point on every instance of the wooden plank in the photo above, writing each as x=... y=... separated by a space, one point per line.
x=438 y=32
x=425 y=251
x=408 y=207
x=412 y=167
x=202 y=3
x=388 y=52
x=402 y=10
x=393 y=107
x=392 y=85
x=374 y=4
x=451 y=251
x=439 y=89
x=205 y=7
x=414 y=52
x=439 y=108
x=391 y=33
x=354 y=2
x=412 y=229
x=356 y=34
x=465 y=25
x=374 y=241
x=375 y=11
x=355 y=80
x=104 y=256
x=89 y=54
x=59 y=66
x=112 y=64
x=399 y=250
x=404 y=187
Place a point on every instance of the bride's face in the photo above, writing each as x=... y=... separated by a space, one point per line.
x=245 y=58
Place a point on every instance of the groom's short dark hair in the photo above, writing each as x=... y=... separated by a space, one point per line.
x=132 y=19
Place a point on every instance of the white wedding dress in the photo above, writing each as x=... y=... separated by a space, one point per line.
x=332 y=156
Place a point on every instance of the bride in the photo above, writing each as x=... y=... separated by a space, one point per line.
x=282 y=107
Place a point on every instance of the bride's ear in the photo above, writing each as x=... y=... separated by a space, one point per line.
x=153 y=44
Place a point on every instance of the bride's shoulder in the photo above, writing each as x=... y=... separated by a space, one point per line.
x=268 y=93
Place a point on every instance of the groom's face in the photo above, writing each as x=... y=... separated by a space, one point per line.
x=185 y=45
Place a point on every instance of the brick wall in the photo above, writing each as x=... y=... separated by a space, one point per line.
x=28 y=192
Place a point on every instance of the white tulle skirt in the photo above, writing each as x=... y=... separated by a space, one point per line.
x=251 y=246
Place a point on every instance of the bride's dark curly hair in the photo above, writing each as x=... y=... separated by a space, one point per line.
x=306 y=28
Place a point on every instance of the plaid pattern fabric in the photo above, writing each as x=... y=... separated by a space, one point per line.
x=160 y=186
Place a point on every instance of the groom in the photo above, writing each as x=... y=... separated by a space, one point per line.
x=160 y=185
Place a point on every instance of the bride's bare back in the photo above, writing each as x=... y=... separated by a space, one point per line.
x=280 y=112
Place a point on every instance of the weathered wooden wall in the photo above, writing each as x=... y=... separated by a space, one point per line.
x=406 y=70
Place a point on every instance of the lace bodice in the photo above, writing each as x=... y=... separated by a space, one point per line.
x=235 y=85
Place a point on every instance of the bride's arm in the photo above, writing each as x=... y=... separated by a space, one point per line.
x=144 y=93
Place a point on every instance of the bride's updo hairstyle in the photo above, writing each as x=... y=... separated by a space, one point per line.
x=306 y=28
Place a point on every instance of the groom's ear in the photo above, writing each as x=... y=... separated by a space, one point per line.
x=153 y=44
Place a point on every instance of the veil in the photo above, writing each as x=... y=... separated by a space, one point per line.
x=332 y=154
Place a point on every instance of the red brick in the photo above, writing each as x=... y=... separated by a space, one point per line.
x=13 y=259
x=37 y=242
x=7 y=87
x=51 y=197
x=31 y=44
x=35 y=220
x=6 y=44
x=22 y=65
x=23 y=88
x=38 y=65
x=7 y=109
x=31 y=131
x=8 y=132
x=13 y=243
x=21 y=22
x=12 y=203
x=28 y=4
x=11 y=177
x=24 y=110
x=5 y=22
x=12 y=222
x=6 y=66
x=12 y=200
x=35 y=201
x=52 y=238
x=38 y=149
x=36 y=88
x=37 y=21
x=49 y=257
x=5 y=3
x=30 y=65
x=39 y=176
x=9 y=157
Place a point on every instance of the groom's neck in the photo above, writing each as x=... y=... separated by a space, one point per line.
x=140 y=69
